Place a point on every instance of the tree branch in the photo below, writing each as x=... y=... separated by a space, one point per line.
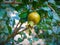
x=12 y=35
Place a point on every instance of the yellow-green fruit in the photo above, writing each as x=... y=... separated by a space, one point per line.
x=34 y=16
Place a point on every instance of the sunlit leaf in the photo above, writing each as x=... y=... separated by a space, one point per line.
x=23 y=15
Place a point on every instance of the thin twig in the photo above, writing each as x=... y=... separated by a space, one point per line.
x=51 y=8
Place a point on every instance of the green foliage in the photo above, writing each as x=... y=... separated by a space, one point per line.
x=49 y=24
x=18 y=0
x=23 y=15
x=25 y=1
x=9 y=29
x=1 y=0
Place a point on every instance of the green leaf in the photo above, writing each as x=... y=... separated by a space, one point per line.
x=48 y=21
x=20 y=40
x=23 y=15
x=23 y=20
x=36 y=29
x=18 y=0
x=9 y=29
x=25 y=1
x=24 y=36
x=13 y=23
x=17 y=8
x=2 y=13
